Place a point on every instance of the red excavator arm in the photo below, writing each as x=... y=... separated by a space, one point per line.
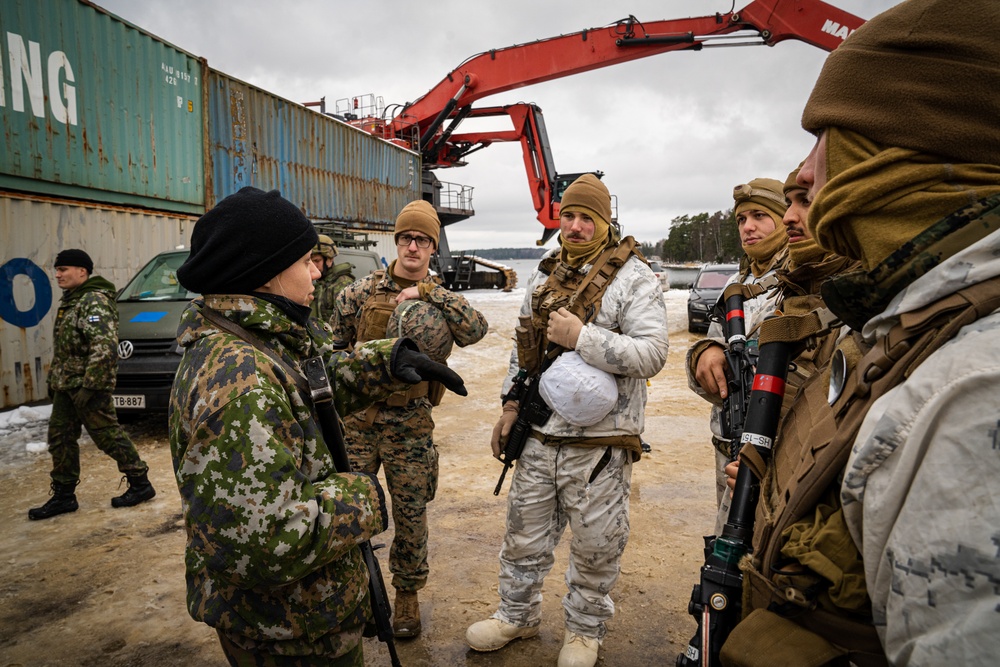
x=429 y=123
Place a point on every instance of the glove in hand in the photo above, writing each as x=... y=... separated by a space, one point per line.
x=564 y=328
x=411 y=365
x=502 y=429
x=82 y=397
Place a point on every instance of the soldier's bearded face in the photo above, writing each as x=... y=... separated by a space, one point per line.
x=795 y=216
x=576 y=227
x=295 y=282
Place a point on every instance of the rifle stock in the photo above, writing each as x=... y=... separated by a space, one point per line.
x=716 y=599
x=329 y=421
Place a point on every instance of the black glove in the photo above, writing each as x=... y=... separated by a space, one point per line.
x=82 y=397
x=411 y=365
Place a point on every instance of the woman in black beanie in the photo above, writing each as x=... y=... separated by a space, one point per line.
x=272 y=557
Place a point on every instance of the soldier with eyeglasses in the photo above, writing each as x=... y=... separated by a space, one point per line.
x=396 y=434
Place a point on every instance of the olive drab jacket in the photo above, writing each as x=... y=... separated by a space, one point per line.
x=272 y=528
x=328 y=287
x=85 y=340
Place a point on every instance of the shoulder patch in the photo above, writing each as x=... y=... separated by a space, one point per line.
x=93 y=318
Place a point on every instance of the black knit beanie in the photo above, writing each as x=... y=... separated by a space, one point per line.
x=247 y=239
x=75 y=257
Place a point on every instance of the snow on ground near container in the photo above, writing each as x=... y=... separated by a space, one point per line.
x=23 y=434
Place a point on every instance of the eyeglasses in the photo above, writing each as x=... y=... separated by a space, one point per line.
x=404 y=241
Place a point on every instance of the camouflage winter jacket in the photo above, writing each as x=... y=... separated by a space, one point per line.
x=85 y=342
x=272 y=528
x=467 y=325
x=328 y=287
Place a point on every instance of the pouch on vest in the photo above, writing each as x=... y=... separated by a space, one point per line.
x=764 y=639
x=374 y=317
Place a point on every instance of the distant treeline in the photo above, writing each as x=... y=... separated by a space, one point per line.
x=504 y=253
x=699 y=238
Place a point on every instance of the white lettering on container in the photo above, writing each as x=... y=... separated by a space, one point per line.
x=26 y=71
x=29 y=64
x=64 y=105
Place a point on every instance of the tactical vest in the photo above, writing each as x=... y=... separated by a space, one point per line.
x=373 y=323
x=566 y=287
x=814 y=442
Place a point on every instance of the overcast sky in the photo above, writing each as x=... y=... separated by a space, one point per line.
x=673 y=133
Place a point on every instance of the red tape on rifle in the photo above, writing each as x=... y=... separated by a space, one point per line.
x=733 y=313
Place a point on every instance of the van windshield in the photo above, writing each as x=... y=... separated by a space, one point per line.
x=157 y=281
x=713 y=279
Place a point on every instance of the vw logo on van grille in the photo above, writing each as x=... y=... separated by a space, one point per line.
x=125 y=349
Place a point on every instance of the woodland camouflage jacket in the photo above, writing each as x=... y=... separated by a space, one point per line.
x=85 y=341
x=272 y=527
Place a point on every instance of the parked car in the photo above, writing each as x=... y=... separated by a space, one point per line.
x=149 y=310
x=705 y=291
x=661 y=274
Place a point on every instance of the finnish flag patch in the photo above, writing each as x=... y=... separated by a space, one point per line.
x=93 y=318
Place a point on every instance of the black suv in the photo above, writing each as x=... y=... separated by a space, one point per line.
x=705 y=291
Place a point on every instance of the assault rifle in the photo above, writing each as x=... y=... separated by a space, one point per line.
x=532 y=410
x=322 y=396
x=716 y=599
x=740 y=362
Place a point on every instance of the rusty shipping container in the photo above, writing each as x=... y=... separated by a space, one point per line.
x=92 y=107
x=119 y=239
x=332 y=171
x=108 y=145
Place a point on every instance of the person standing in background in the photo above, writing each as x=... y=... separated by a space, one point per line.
x=82 y=375
x=397 y=433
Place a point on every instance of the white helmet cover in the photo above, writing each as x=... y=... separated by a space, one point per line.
x=578 y=392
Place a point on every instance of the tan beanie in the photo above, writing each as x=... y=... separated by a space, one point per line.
x=762 y=194
x=790 y=183
x=418 y=216
x=922 y=75
x=589 y=195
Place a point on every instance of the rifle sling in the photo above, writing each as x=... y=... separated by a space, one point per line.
x=216 y=318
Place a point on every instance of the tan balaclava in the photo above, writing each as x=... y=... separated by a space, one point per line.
x=763 y=194
x=909 y=106
x=589 y=195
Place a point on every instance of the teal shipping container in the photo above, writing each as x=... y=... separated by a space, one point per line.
x=92 y=107
x=332 y=171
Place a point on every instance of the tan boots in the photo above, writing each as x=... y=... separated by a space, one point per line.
x=406 y=622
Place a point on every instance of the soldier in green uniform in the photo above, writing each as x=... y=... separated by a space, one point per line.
x=397 y=433
x=332 y=277
x=82 y=375
x=272 y=560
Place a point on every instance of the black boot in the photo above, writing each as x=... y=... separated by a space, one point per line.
x=63 y=500
x=139 y=491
